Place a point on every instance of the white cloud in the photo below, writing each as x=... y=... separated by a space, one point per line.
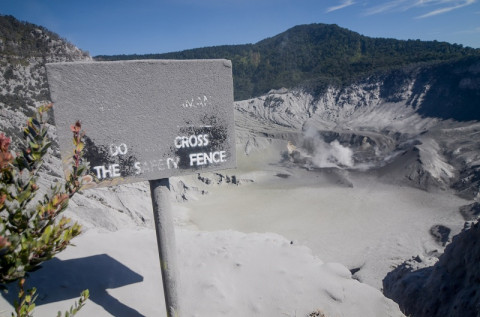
x=436 y=6
x=386 y=7
x=344 y=4
x=453 y=5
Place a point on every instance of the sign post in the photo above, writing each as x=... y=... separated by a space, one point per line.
x=162 y=215
x=148 y=120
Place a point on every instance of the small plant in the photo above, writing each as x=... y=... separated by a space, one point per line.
x=77 y=306
x=33 y=230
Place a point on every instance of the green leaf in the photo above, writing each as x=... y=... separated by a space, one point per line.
x=80 y=146
x=47 y=233
x=31 y=307
x=25 y=195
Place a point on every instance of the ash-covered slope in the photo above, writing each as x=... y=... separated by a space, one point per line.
x=413 y=128
x=448 y=288
x=387 y=124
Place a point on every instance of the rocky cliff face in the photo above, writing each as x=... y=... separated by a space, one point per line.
x=24 y=50
x=448 y=288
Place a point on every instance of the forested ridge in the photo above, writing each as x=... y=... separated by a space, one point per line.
x=314 y=56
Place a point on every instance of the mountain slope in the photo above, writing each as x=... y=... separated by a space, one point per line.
x=24 y=50
x=314 y=56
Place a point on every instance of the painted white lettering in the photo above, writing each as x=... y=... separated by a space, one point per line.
x=113 y=150
x=191 y=141
x=178 y=142
x=193 y=158
x=184 y=142
x=115 y=170
x=106 y=172
x=199 y=140
x=199 y=159
x=156 y=165
x=205 y=140
x=153 y=164
x=146 y=167
x=112 y=170
x=216 y=157
x=199 y=101
x=99 y=170
x=172 y=163
x=138 y=169
x=121 y=149
x=188 y=103
x=207 y=158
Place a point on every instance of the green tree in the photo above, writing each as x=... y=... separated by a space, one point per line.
x=307 y=55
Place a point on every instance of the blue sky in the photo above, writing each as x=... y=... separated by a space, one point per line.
x=160 y=26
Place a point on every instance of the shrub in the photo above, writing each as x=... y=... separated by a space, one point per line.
x=33 y=230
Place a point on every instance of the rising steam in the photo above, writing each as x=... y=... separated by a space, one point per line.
x=323 y=154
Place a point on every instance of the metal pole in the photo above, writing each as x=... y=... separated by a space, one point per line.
x=162 y=214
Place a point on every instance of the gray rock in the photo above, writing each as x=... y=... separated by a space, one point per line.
x=441 y=234
x=470 y=212
x=448 y=288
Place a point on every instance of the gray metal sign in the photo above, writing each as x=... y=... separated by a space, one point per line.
x=148 y=119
